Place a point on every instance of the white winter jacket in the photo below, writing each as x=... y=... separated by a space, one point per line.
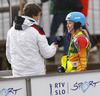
x=26 y=48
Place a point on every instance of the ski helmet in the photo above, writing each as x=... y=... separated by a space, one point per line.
x=76 y=17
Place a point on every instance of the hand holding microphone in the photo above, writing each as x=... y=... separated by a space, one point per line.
x=58 y=42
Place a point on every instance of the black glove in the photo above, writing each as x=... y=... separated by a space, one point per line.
x=61 y=69
x=59 y=41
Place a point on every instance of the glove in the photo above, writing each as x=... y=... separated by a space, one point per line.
x=66 y=64
x=61 y=69
x=59 y=41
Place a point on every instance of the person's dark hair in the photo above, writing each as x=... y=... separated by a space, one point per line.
x=31 y=9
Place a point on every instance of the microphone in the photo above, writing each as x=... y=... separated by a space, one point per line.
x=59 y=41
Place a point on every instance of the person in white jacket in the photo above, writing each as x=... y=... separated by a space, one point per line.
x=26 y=45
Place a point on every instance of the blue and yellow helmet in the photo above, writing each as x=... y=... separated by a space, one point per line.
x=76 y=17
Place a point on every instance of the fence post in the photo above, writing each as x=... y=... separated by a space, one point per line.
x=28 y=86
